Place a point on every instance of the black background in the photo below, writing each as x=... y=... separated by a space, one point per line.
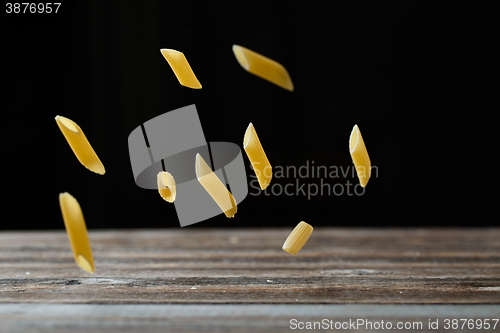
x=413 y=76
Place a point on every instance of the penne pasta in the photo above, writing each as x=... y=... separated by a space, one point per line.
x=80 y=145
x=181 y=68
x=257 y=157
x=217 y=190
x=77 y=231
x=360 y=156
x=166 y=186
x=298 y=238
x=263 y=67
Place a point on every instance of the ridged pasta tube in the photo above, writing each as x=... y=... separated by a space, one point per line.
x=166 y=186
x=80 y=145
x=298 y=238
x=257 y=157
x=77 y=231
x=181 y=68
x=263 y=67
x=360 y=156
x=217 y=190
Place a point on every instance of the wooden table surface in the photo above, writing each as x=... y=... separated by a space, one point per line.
x=213 y=280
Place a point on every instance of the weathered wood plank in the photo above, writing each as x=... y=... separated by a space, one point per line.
x=248 y=266
x=29 y=318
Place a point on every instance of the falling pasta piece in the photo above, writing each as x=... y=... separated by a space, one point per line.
x=166 y=186
x=181 y=68
x=77 y=231
x=298 y=238
x=257 y=157
x=360 y=156
x=80 y=145
x=209 y=180
x=263 y=67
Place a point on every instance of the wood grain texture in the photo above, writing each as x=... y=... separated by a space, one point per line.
x=393 y=266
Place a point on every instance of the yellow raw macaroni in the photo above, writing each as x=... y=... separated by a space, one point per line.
x=181 y=68
x=263 y=67
x=166 y=186
x=360 y=156
x=209 y=180
x=298 y=238
x=257 y=157
x=80 y=145
x=77 y=231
